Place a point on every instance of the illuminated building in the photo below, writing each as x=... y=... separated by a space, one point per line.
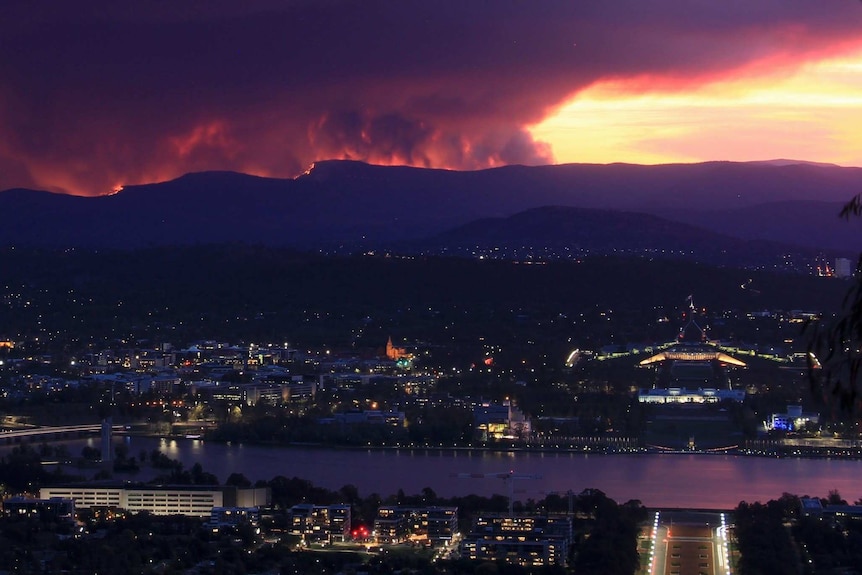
x=192 y=500
x=320 y=523
x=692 y=369
x=270 y=391
x=793 y=420
x=52 y=509
x=390 y=525
x=223 y=517
x=811 y=507
x=395 y=524
x=528 y=541
x=500 y=421
x=396 y=353
x=436 y=524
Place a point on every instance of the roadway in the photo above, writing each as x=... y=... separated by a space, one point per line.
x=690 y=543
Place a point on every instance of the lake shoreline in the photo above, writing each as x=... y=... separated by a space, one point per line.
x=781 y=453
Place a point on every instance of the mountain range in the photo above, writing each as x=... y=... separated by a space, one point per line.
x=728 y=205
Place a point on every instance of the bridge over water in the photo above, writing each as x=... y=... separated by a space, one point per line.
x=53 y=433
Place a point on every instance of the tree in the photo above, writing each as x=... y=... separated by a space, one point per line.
x=21 y=469
x=349 y=493
x=429 y=497
x=237 y=479
x=835 y=498
x=201 y=477
x=835 y=348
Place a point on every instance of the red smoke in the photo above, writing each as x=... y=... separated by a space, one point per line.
x=121 y=93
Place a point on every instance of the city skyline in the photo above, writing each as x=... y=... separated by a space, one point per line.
x=94 y=99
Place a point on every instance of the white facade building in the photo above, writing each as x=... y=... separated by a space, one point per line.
x=191 y=500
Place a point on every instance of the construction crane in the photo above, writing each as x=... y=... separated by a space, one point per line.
x=508 y=477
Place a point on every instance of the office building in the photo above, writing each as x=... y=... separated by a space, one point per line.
x=191 y=500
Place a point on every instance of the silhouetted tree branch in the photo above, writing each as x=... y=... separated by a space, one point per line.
x=835 y=347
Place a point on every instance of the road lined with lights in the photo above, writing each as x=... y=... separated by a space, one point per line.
x=689 y=542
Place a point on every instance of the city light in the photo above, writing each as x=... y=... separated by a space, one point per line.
x=652 y=552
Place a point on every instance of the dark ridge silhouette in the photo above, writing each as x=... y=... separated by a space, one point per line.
x=564 y=230
x=803 y=222
x=355 y=204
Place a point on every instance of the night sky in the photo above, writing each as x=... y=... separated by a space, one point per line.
x=97 y=94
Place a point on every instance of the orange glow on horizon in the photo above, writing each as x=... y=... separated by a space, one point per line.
x=814 y=113
x=776 y=107
x=205 y=146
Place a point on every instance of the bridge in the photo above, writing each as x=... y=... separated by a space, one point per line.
x=54 y=433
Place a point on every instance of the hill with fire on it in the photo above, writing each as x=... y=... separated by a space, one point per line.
x=356 y=205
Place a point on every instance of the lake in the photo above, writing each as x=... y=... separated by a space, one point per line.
x=658 y=480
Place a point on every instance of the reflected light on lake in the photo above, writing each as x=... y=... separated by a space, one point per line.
x=658 y=480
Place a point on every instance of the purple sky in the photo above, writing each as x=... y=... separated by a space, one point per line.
x=117 y=92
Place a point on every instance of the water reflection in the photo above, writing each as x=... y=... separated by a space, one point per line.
x=660 y=480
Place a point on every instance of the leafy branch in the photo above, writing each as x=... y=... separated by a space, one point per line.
x=835 y=348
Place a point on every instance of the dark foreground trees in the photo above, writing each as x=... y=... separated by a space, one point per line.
x=605 y=536
x=764 y=538
x=609 y=545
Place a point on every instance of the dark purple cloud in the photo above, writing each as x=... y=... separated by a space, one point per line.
x=117 y=92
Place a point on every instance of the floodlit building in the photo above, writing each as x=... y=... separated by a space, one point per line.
x=397 y=353
x=191 y=500
x=685 y=395
x=794 y=419
x=692 y=369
